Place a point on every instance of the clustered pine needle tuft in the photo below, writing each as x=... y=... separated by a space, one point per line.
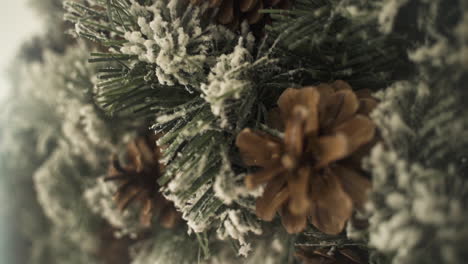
x=195 y=100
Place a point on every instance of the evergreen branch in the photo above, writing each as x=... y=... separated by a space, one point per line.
x=162 y=53
x=318 y=38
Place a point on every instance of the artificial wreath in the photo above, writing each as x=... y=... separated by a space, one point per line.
x=240 y=131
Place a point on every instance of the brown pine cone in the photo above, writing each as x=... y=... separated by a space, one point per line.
x=314 y=171
x=346 y=255
x=232 y=12
x=138 y=183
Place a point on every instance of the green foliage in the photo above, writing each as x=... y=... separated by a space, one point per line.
x=169 y=64
x=429 y=115
x=419 y=171
x=166 y=63
x=56 y=248
x=325 y=41
x=59 y=183
x=53 y=141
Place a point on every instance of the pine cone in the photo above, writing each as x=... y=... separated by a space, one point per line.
x=232 y=12
x=347 y=255
x=314 y=172
x=138 y=183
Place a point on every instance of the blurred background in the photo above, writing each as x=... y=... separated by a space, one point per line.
x=21 y=21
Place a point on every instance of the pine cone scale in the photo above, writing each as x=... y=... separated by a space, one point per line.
x=274 y=192
x=331 y=206
x=254 y=16
x=359 y=131
x=254 y=180
x=332 y=148
x=254 y=154
x=247 y=5
x=293 y=223
x=298 y=187
x=353 y=183
x=226 y=13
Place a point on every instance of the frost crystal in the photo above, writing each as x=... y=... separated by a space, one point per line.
x=388 y=14
x=230 y=187
x=227 y=81
x=171 y=35
x=237 y=225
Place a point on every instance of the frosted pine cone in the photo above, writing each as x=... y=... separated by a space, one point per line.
x=138 y=183
x=314 y=171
